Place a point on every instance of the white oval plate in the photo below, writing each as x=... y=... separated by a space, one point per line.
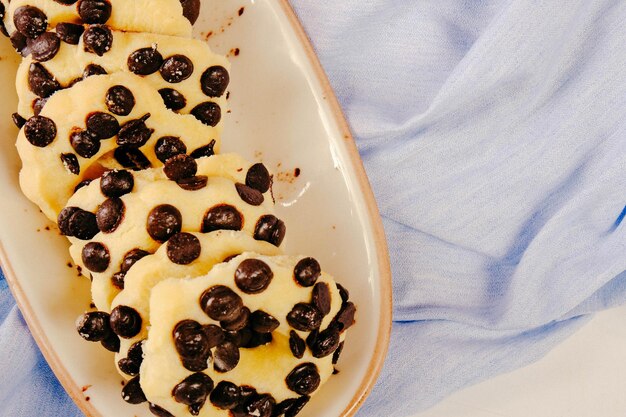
x=284 y=114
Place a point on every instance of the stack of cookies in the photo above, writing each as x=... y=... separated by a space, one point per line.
x=120 y=115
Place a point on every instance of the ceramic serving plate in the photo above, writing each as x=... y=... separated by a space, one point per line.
x=283 y=114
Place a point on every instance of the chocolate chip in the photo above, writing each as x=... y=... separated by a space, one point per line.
x=226 y=357
x=172 y=99
x=111 y=343
x=117 y=280
x=41 y=82
x=125 y=321
x=145 y=61
x=40 y=131
x=225 y=396
x=292 y=406
x=93 y=69
x=337 y=353
x=221 y=303
x=131 y=258
x=45 y=46
x=30 y=21
x=85 y=143
x=63 y=220
x=343 y=293
x=261 y=322
x=69 y=32
x=132 y=392
x=193 y=390
x=253 y=276
x=296 y=344
x=163 y=222
x=176 y=68
x=215 y=335
x=110 y=214
x=20 y=43
x=238 y=322
x=169 y=146
x=214 y=81
x=197 y=182
x=94 y=11
x=94 y=326
x=131 y=158
x=191 y=10
x=208 y=113
x=183 y=248
x=324 y=343
x=38 y=104
x=132 y=362
x=345 y=318
x=191 y=341
x=222 y=217
x=103 y=125
x=304 y=317
x=258 y=177
x=304 y=379
x=18 y=120
x=204 y=151
x=66 y=2
x=96 y=256
x=270 y=229
x=258 y=339
x=120 y=100
x=135 y=133
x=159 y=411
x=98 y=40
x=179 y=167
x=82 y=225
x=70 y=162
x=260 y=405
x=321 y=298
x=116 y=183
x=3 y=29
x=249 y=194
x=81 y=184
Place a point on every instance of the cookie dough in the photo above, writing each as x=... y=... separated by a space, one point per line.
x=31 y=18
x=125 y=215
x=187 y=74
x=106 y=121
x=257 y=335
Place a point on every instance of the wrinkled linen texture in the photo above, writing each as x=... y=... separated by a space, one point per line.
x=494 y=136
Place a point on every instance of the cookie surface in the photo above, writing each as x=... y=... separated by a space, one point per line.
x=106 y=121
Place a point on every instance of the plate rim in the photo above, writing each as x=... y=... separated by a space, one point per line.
x=373 y=217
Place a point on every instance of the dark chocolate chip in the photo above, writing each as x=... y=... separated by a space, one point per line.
x=132 y=392
x=325 y=343
x=93 y=69
x=304 y=317
x=20 y=43
x=69 y=32
x=131 y=158
x=96 y=256
x=222 y=217
x=120 y=100
x=135 y=133
x=82 y=225
x=191 y=341
x=111 y=343
x=208 y=113
x=215 y=335
x=145 y=61
x=197 y=182
x=249 y=194
x=94 y=11
x=321 y=297
x=304 y=379
x=66 y=2
x=239 y=322
x=226 y=357
x=261 y=405
x=291 y=407
x=163 y=222
x=225 y=396
x=103 y=125
x=193 y=390
x=343 y=293
x=110 y=214
x=214 y=81
x=296 y=344
x=131 y=257
x=179 y=167
x=183 y=248
x=63 y=220
x=176 y=68
x=258 y=177
x=98 y=40
x=270 y=229
x=337 y=353
x=30 y=21
x=132 y=362
x=307 y=271
x=81 y=184
x=204 y=151
x=258 y=339
x=221 y=303
x=117 y=280
x=85 y=143
x=45 y=46
x=253 y=276
x=94 y=326
x=40 y=131
x=169 y=146
x=261 y=322
x=18 y=120
x=38 y=104
x=3 y=29
x=345 y=318
x=159 y=411
x=70 y=162
x=125 y=321
x=41 y=82
x=172 y=99
x=191 y=10
x=116 y=183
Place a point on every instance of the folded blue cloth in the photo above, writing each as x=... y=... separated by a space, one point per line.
x=494 y=136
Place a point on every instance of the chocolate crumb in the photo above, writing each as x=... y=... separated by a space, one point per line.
x=296 y=172
x=69 y=264
x=240 y=12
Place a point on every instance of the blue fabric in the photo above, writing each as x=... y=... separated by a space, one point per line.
x=494 y=136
